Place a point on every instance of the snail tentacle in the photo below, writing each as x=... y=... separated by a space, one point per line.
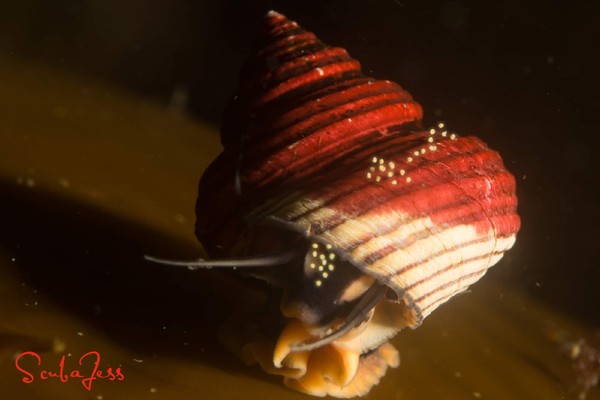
x=356 y=316
x=263 y=260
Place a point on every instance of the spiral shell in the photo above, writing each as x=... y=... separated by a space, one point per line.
x=316 y=149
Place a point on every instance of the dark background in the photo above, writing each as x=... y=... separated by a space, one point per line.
x=521 y=75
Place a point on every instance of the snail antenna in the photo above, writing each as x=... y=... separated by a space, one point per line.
x=264 y=260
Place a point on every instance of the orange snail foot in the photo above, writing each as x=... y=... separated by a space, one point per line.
x=371 y=368
x=346 y=367
x=332 y=370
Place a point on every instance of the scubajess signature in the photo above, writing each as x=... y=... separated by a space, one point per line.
x=87 y=369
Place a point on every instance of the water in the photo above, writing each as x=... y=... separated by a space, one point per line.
x=92 y=177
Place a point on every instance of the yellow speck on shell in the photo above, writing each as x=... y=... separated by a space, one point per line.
x=409 y=159
x=325 y=275
x=384 y=169
x=318 y=283
x=441 y=125
x=331 y=267
x=408 y=179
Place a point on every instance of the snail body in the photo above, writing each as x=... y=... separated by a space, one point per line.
x=329 y=189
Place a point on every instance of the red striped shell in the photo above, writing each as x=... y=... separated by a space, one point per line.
x=315 y=147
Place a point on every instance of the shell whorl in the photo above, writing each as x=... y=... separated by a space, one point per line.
x=315 y=145
x=300 y=106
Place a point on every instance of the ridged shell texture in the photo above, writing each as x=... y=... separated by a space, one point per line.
x=313 y=144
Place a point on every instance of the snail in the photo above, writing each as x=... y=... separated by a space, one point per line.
x=363 y=222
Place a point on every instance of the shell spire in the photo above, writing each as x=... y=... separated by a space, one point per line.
x=299 y=102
